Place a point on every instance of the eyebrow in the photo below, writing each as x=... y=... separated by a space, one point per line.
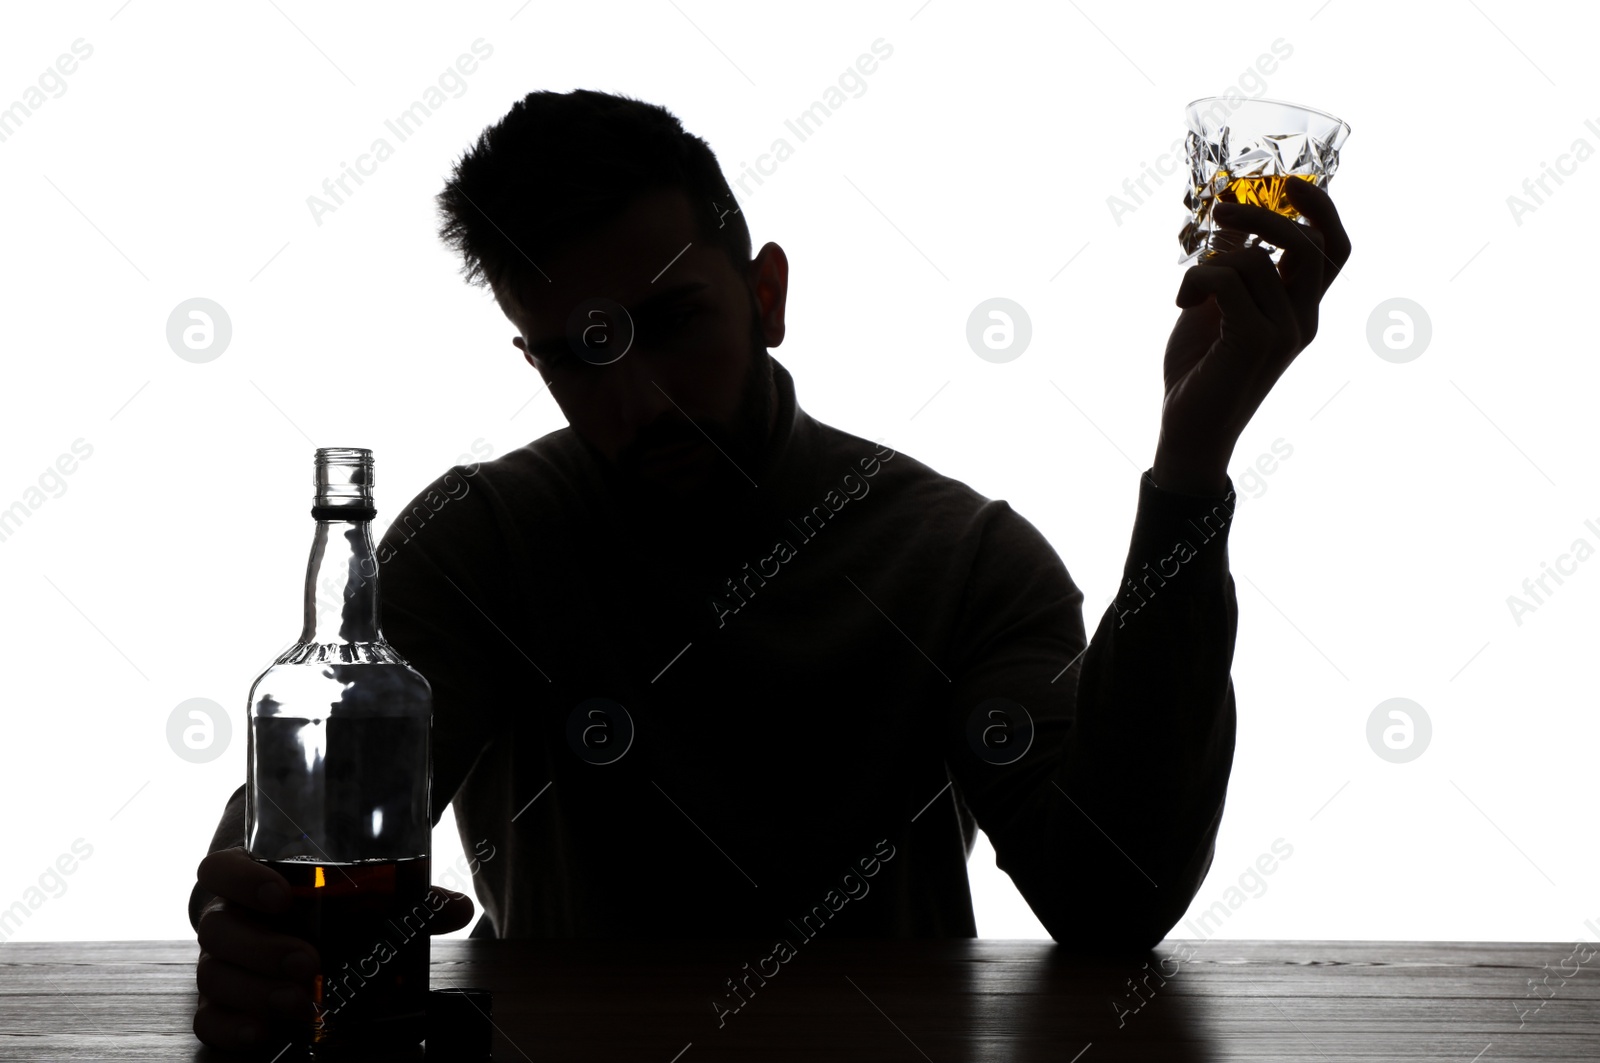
x=558 y=344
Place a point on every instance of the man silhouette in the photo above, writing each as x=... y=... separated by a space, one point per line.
x=705 y=666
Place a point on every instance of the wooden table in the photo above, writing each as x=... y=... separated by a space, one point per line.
x=941 y=1001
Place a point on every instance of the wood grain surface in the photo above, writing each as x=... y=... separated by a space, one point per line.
x=946 y=1001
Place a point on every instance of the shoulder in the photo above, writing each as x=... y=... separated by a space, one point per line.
x=920 y=502
x=535 y=481
x=474 y=522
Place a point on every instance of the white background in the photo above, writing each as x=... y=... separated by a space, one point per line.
x=1375 y=562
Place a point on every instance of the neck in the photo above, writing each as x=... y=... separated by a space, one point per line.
x=341 y=599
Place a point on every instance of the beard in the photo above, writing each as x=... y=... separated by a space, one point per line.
x=726 y=488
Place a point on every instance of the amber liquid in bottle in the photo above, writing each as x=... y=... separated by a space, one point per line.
x=370 y=924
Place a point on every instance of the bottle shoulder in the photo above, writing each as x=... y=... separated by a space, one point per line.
x=354 y=679
x=376 y=651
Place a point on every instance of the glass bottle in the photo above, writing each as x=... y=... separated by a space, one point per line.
x=337 y=794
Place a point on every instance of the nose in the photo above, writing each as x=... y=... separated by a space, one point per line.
x=640 y=404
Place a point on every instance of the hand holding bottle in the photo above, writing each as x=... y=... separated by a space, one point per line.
x=255 y=980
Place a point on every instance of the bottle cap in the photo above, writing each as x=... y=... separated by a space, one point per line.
x=459 y=1024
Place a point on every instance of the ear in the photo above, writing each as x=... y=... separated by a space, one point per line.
x=768 y=276
x=517 y=342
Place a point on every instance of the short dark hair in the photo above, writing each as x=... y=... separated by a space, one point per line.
x=558 y=165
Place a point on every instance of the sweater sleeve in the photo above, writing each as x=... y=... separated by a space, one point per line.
x=1099 y=768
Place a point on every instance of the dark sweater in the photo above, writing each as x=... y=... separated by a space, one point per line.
x=807 y=675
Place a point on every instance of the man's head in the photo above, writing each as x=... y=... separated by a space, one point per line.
x=581 y=197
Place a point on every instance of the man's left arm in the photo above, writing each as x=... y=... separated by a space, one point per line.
x=1146 y=736
x=1098 y=768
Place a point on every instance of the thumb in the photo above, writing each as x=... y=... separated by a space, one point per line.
x=455 y=913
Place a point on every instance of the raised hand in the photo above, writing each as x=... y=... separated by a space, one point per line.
x=1244 y=321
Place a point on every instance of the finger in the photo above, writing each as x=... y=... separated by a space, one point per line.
x=1314 y=202
x=233 y=874
x=229 y=933
x=1280 y=229
x=1263 y=282
x=226 y=1030
x=1248 y=291
x=1303 y=262
x=455 y=913
x=235 y=989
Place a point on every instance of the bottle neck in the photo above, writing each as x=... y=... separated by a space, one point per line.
x=341 y=585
